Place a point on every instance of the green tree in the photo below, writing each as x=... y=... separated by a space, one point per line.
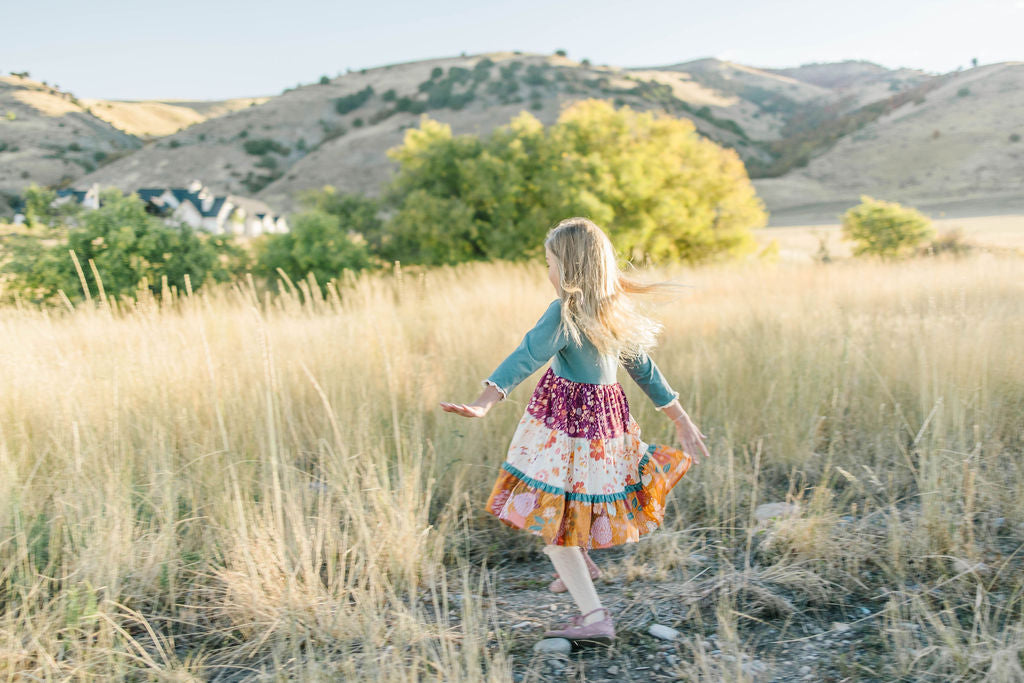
x=318 y=244
x=355 y=212
x=39 y=206
x=886 y=229
x=127 y=246
x=660 y=191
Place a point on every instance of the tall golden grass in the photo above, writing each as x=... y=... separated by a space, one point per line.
x=233 y=483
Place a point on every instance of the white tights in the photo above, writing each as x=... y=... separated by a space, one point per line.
x=572 y=569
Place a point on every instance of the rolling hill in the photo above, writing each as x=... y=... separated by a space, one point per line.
x=812 y=136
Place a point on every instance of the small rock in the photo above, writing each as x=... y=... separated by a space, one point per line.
x=961 y=566
x=728 y=657
x=697 y=557
x=663 y=632
x=522 y=624
x=613 y=669
x=754 y=667
x=804 y=670
x=767 y=511
x=840 y=628
x=865 y=610
x=553 y=646
x=672 y=660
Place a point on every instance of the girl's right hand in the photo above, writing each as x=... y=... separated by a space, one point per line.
x=470 y=410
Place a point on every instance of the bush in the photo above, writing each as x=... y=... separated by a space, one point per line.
x=885 y=229
x=952 y=242
x=261 y=146
x=128 y=246
x=963 y=92
x=436 y=73
x=1014 y=137
x=389 y=96
x=410 y=105
x=324 y=80
x=318 y=243
x=349 y=103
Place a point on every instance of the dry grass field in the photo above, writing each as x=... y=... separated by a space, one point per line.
x=238 y=486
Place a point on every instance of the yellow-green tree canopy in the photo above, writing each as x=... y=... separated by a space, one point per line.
x=661 y=191
x=885 y=229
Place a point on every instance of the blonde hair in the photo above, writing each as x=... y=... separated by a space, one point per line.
x=594 y=291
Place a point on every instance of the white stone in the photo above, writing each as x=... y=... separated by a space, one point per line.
x=840 y=628
x=961 y=566
x=767 y=511
x=553 y=646
x=522 y=624
x=755 y=667
x=663 y=632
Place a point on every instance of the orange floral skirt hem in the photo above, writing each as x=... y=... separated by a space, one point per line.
x=589 y=520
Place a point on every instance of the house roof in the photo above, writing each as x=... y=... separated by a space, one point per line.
x=79 y=195
x=214 y=209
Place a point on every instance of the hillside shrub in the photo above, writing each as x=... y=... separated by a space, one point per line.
x=407 y=104
x=349 y=103
x=482 y=70
x=885 y=229
x=261 y=146
x=535 y=75
x=389 y=96
x=458 y=74
x=1014 y=137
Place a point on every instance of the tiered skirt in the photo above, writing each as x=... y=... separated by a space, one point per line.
x=577 y=472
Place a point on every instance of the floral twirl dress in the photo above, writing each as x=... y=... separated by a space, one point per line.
x=577 y=471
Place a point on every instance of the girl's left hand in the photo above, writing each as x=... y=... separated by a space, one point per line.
x=470 y=410
x=691 y=438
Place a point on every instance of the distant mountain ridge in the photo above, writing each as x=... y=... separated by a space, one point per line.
x=826 y=131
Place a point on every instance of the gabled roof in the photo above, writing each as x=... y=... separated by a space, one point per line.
x=79 y=195
x=214 y=208
x=149 y=193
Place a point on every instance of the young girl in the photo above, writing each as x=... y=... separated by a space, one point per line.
x=577 y=473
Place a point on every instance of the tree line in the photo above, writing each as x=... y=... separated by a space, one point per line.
x=661 y=191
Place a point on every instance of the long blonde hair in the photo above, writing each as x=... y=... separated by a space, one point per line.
x=594 y=291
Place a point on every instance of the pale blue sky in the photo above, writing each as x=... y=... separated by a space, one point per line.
x=127 y=49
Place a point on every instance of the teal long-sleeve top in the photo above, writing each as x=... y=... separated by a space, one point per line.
x=575 y=362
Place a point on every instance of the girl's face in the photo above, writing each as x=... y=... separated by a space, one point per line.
x=552 y=268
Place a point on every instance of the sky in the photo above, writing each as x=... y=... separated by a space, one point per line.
x=217 y=49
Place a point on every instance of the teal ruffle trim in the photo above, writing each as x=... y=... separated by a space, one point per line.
x=585 y=497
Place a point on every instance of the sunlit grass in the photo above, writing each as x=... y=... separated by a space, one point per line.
x=236 y=483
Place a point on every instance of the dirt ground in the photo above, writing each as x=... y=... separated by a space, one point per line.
x=778 y=643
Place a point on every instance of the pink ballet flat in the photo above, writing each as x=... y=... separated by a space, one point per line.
x=558 y=586
x=602 y=632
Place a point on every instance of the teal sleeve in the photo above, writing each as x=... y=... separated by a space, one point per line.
x=647 y=375
x=538 y=346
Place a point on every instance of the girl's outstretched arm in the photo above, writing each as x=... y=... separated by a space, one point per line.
x=691 y=438
x=478 y=408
